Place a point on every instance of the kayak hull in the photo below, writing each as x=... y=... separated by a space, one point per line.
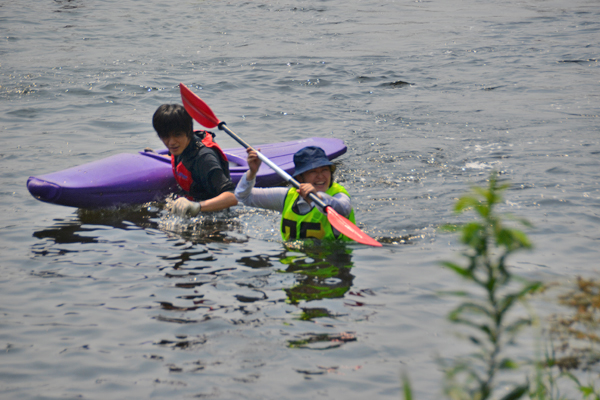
x=142 y=177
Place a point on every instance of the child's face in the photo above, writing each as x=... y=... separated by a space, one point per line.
x=320 y=178
x=176 y=142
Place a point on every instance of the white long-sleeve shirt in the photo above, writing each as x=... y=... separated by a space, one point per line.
x=274 y=198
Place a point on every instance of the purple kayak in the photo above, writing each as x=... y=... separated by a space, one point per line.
x=147 y=176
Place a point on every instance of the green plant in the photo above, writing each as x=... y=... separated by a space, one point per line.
x=573 y=344
x=486 y=305
x=485 y=312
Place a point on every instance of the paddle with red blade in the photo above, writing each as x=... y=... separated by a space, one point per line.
x=202 y=113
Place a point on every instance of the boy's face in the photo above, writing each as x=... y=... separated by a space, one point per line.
x=176 y=142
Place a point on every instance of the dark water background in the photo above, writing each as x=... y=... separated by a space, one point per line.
x=429 y=97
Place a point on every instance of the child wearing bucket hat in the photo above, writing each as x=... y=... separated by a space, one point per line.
x=300 y=218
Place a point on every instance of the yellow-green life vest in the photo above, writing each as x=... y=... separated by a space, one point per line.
x=314 y=224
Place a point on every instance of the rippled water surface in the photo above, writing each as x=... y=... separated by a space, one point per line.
x=429 y=97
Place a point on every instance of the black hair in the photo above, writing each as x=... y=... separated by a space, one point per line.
x=172 y=118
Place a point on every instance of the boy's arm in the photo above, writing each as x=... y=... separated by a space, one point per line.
x=183 y=206
x=209 y=173
x=222 y=201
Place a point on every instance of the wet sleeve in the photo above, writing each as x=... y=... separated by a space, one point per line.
x=267 y=198
x=339 y=202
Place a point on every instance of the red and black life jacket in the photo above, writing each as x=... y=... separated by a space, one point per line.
x=182 y=175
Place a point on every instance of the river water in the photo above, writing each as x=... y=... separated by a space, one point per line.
x=429 y=97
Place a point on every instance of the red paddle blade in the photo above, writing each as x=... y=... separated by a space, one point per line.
x=349 y=229
x=197 y=108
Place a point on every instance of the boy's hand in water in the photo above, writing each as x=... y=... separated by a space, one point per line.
x=183 y=207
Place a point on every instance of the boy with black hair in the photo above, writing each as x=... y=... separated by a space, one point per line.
x=199 y=165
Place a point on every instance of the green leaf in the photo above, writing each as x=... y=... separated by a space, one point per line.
x=520 y=220
x=456 y=293
x=517 y=392
x=407 y=389
x=482 y=192
x=489 y=331
x=454 y=316
x=501 y=188
x=473 y=234
x=475 y=340
x=463 y=321
x=573 y=377
x=458 y=269
x=507 y=302
x=450 y=228
x=518 y=239
x=507 y=363
x=505 y=238
x=466 y=202
x=517 y=325
x=474 y=308
x=530 y=287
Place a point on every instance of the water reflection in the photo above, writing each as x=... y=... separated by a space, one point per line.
x=218 y=227
x=69 y=231
x=320 y=270
x=299 y=275
x=206 y=229
x=67 y=5
x=65 y=231
x=202 y=272
x=322 y=341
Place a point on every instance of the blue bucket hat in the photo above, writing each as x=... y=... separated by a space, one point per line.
x=310 y=157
